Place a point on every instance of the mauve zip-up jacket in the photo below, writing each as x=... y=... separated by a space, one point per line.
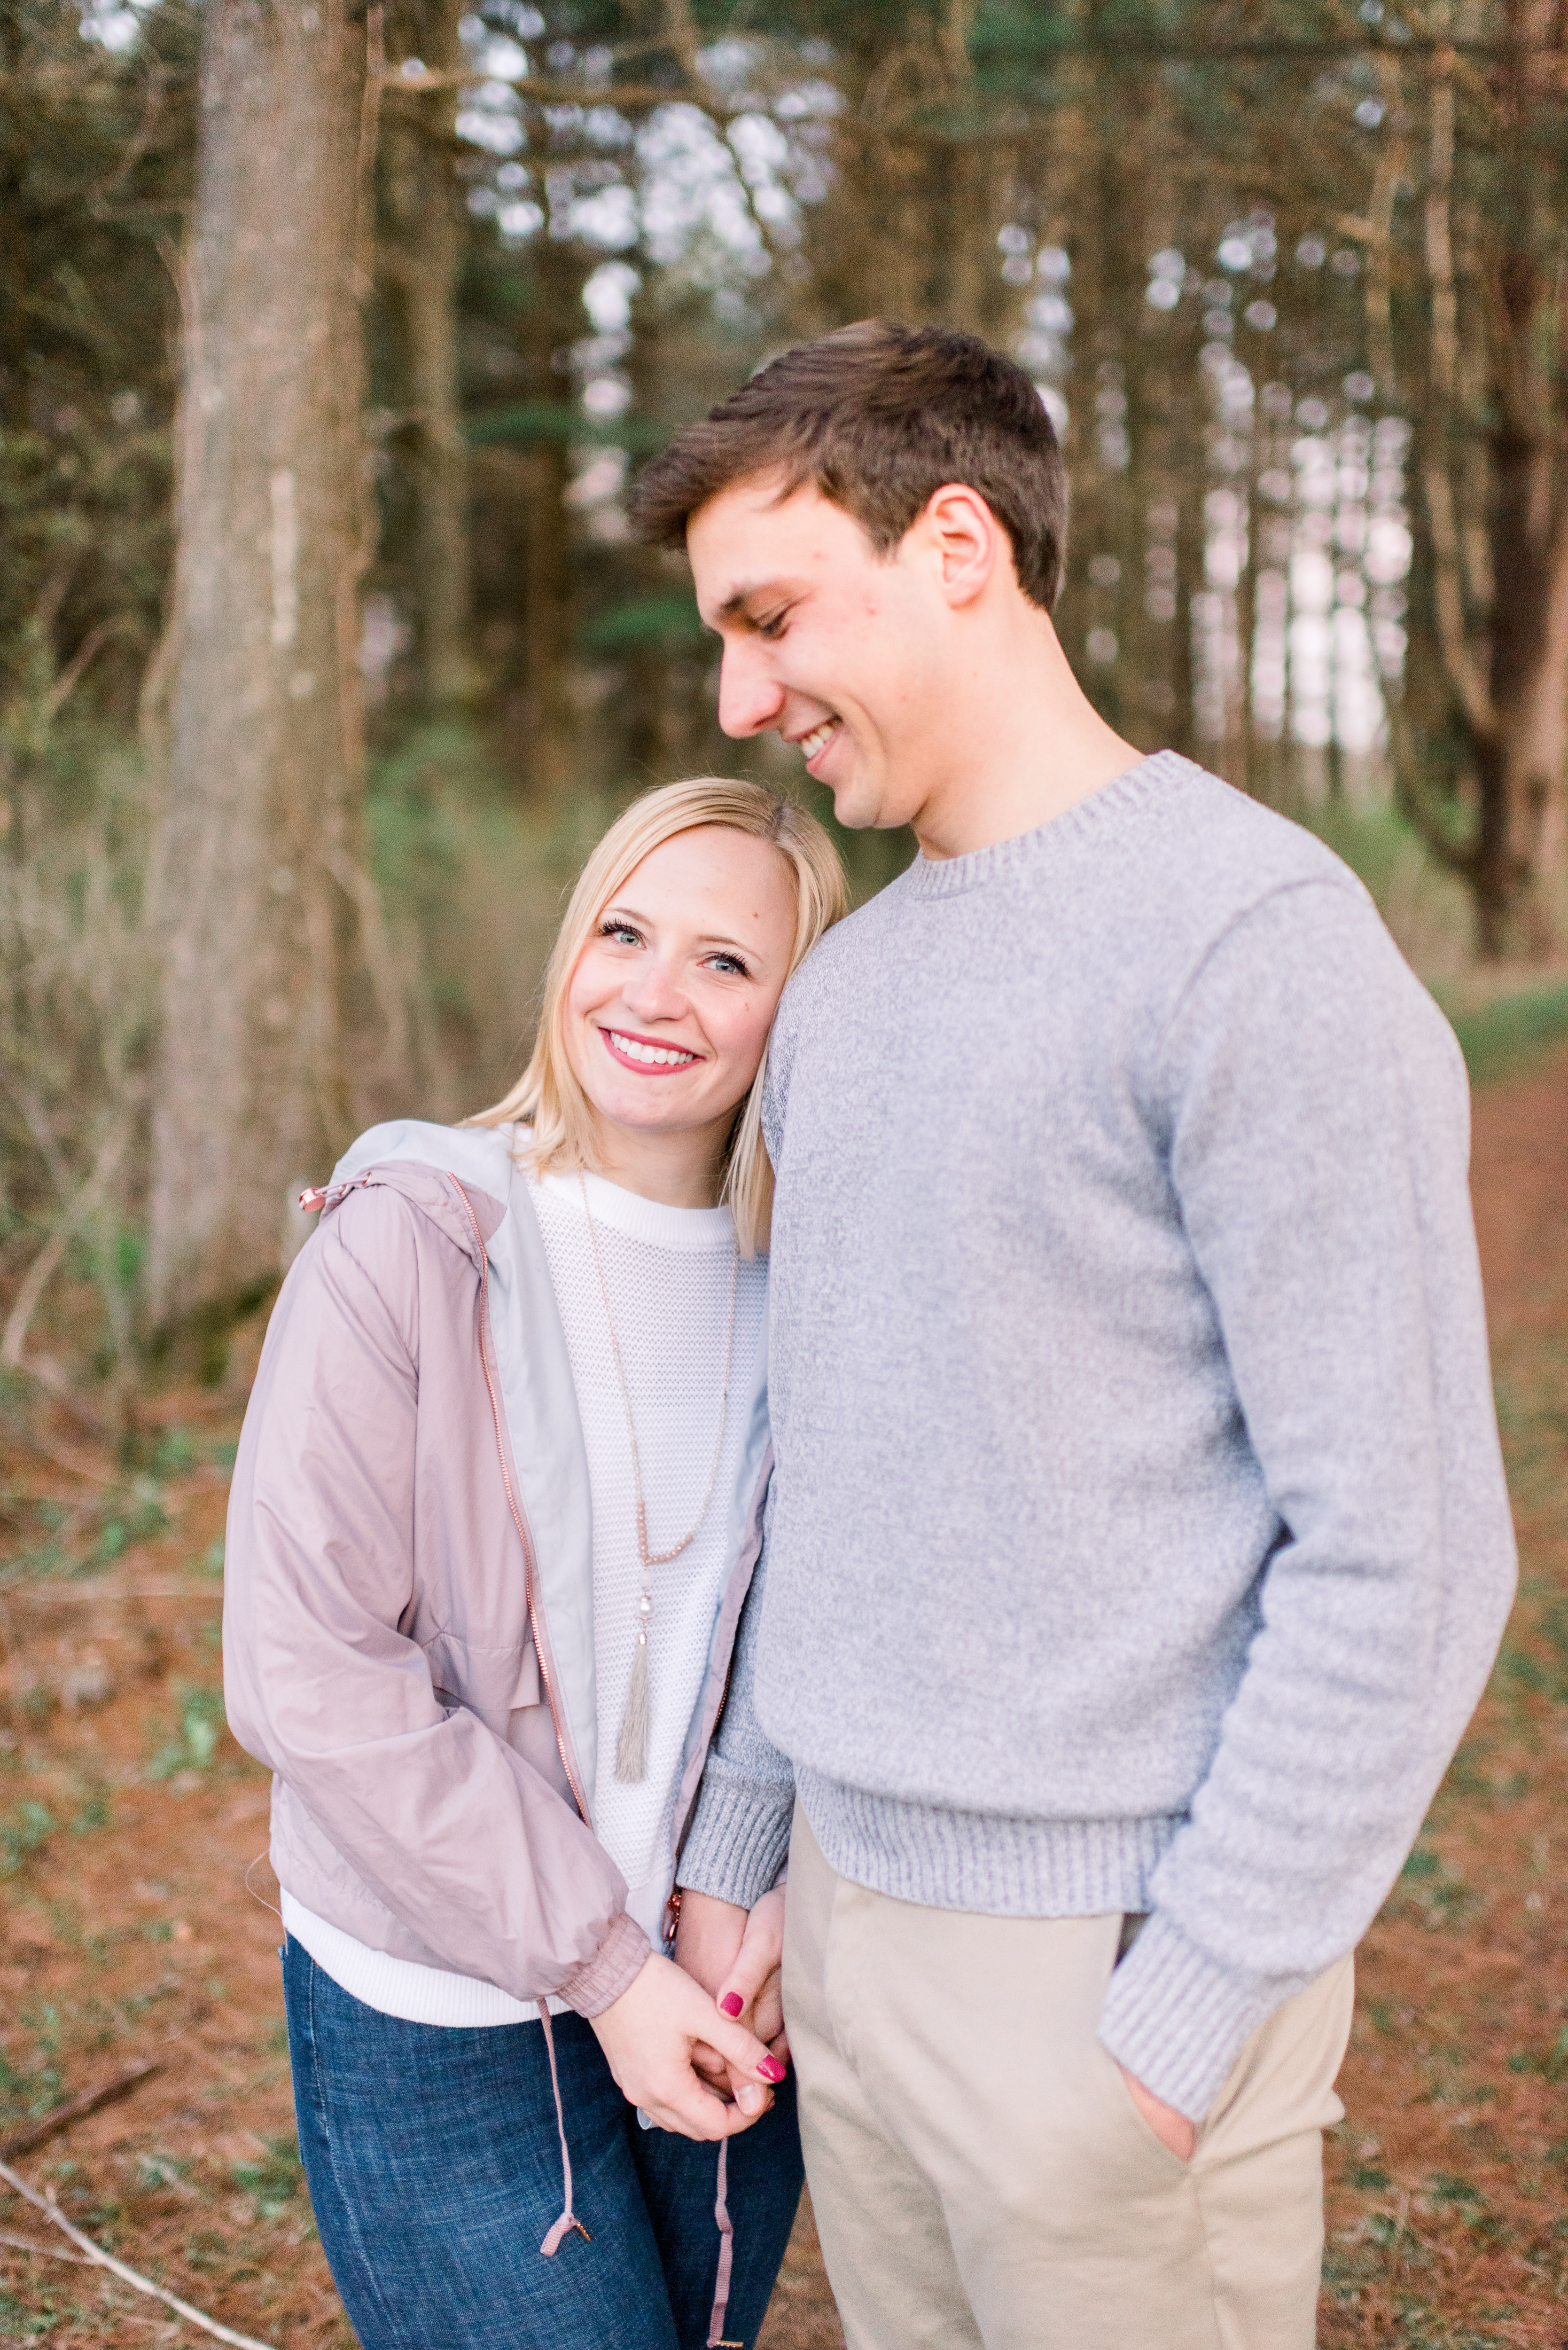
x=407 y=1621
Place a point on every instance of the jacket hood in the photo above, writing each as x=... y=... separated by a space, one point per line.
x=437 y=1195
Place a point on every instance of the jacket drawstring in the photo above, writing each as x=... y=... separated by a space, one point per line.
x=717 y=2339
x=569 y=2217
x=716 y=2336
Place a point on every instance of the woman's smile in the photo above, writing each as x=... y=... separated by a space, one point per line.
x=642 y=1054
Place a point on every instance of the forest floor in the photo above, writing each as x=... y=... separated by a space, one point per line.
x=128 y=1820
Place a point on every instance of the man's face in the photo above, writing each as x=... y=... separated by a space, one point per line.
x=825 y=644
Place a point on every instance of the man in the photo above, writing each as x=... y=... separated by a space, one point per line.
x=1138 y=1544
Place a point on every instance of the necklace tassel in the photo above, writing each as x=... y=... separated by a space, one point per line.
x=631 y=1747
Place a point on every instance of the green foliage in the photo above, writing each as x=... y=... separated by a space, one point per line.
x=556 y=419
x=195 y=1740
x=24 y=1832
x=664 y=620
x=275 y=2181
x=1498 y=1037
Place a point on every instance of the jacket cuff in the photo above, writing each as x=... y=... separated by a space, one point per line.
x=738 y=1840
x=1179 y=2020
x=615 y=1966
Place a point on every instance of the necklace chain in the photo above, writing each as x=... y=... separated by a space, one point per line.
x=652 y=1558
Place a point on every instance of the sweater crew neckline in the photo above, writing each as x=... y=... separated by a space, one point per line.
x=698 y=1229
x=948 y=877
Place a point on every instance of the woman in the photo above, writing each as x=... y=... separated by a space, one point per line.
x=495 y=1509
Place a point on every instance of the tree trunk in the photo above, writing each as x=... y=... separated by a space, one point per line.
x=14 y=324
x=1518 y=761
x=425 y=262
x=281 y=1020
x=548 y=330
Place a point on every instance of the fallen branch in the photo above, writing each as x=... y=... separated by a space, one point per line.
x=22 y=2141
x=41 y=1271
x=96 y=2253
x=45 y=2252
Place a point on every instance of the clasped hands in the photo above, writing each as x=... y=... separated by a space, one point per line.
x=698 y=2042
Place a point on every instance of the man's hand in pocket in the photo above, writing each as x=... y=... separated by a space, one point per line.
x=1171 y=2128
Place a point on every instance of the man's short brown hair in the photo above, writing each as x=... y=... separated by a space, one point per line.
x=877 y=417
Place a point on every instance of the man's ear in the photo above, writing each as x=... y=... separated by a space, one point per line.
x=966 y=539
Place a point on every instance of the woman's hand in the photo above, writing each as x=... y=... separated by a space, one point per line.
x=649 y=2035
x=748 y=1990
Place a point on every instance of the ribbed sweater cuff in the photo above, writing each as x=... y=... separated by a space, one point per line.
x=738 y=1840
x=615 y=1966
x=1178 y=2020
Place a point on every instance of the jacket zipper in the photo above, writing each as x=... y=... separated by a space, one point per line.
x=518 y=1519
x=673 y=1906
x=671 y=1917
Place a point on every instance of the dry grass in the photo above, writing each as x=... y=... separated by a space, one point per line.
x=128 y=1818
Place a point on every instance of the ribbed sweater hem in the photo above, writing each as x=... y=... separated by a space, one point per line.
x=739 y=1839
x=992 y=1865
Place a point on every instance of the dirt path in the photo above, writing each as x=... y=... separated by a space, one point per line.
x=128 y=1819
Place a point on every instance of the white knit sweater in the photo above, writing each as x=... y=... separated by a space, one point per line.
x=667 y=1273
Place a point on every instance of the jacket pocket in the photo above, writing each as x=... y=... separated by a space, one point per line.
x=493 y=1683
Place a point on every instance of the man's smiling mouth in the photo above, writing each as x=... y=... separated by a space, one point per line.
x=819 y=738
x=643 y=1055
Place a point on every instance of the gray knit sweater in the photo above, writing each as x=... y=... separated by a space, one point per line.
x=1138 y=1539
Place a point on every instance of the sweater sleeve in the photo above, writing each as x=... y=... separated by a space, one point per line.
x=457 y=1834
x=1317 y=1114
x=739 y=1836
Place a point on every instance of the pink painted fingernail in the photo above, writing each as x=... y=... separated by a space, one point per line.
x=771 y=2069
x=731 y=2002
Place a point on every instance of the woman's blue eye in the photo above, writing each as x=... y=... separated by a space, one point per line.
x=731 y=963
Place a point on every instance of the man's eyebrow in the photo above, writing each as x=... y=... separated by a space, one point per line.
x=741 y=595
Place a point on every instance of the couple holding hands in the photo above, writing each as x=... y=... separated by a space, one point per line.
x=941 y=1459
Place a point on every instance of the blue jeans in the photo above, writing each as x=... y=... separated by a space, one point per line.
x=435 y=2170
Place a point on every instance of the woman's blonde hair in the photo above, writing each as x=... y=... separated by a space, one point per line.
x=548 y=1098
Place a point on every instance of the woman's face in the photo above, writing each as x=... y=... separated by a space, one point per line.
x=670 y=1006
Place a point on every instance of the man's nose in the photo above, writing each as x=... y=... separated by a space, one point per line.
x=750 y=701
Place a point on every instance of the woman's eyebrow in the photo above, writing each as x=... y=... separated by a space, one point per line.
x=644 y=921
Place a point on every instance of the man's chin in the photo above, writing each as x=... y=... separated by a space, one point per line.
x=856 y=802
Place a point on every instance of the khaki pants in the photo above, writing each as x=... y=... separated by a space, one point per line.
x=980 y=2177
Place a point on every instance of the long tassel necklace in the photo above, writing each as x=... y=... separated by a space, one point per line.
x=632 y=1746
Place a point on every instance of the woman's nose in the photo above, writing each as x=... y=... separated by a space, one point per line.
x=654 y=993
x=750 y=701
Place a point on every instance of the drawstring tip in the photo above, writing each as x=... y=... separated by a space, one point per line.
x=568 y=2219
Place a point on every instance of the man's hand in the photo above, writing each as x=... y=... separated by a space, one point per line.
x=708 y=1937
x=735 y=1957
x=649 y=2035
x=1171 y=2128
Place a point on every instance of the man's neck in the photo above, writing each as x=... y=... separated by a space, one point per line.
x=1025 y=744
